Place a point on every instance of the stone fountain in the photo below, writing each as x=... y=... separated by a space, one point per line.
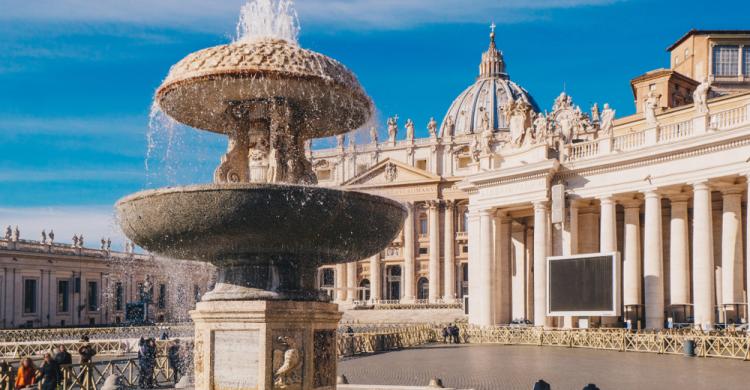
x=263 y=223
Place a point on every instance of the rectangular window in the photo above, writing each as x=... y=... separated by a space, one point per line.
x=725 y=60
x=162 y=296
x=63 y=296
x=119 y=296
x=746 y=61
x=93 y=296
x=422 y=164
x=29 y=296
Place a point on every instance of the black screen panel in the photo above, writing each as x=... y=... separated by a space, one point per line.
x=581 y=284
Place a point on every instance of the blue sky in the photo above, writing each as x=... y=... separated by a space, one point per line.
x=77 y=77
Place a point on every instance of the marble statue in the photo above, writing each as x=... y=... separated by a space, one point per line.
x=474 y=148
x=595 y=113
x=8 y=232
x=540 y=127
x=487 y=138
x=528 y=137
x=51 y=236
x=391 y=172
x=700 y=96
x=109 y=243
x=392 y=129
x=75 y=241
x=373 y=135
x=43 y=239
x=607 y=120
x=485 y=121
x=273 y=173
x=517 y=114
x=432 y=128
x=103 y=243
x=80 y=241
x=409 y=130
x=340 y=141
x=16 y=234
x=449 y=128
x=650 y=105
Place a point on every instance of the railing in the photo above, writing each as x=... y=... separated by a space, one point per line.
x=388 y=339
x=723 y=345
x=728 y=118
x=675 y=131
x=629 y=141
x=583 y=150
x=16 y=350
x=71 y=334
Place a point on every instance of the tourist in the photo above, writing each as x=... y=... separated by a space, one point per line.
x=455 y=332
x=4 y=368
x=147 y=360
x=174 y=356
x=26 y=375
x=63 y=360
x=50 y=373
x=542 y=385
x=447 y=333
x=142 y=362
x=86 y=351
x=349 y=331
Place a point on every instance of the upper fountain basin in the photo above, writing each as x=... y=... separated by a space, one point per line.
x=201 y=88
x=245 y=222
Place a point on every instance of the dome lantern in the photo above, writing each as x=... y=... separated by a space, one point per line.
x=492 y=64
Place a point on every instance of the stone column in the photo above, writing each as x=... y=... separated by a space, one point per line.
x=747 y=239
x=449 y=256
x=473 y=232
x=703 y=256
x=731 y=246
x=434 y=264
x=409 y=288
x=679 y=252
x=502 y=271
x=541 y=227
x=631 y=264
x=375 y=278
x=570 y=232
x=340 y=282
x=485 y=302
x=608 y=225
x=518 y=254
x=351 y=281
x=653 y=278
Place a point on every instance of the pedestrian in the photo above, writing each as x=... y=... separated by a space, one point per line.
x=447 y=334
x=87 y=351
x=63 y=360
x=26 y=375
x=142 y=362
x=50 y=373
x=164 y=336
x=174 y=355
x=349 y=331
x=455 y=332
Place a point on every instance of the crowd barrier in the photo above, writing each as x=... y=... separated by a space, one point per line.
x=707 y=344
x=103 y=333
x=385 y=338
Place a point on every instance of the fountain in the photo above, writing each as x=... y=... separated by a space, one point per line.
x=263 y=223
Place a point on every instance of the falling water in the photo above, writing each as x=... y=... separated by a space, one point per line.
x=268 y=19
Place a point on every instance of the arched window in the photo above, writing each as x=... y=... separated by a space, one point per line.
x=364 y=290
x=423 y=288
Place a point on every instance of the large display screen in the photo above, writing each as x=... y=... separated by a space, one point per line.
x=583 y=285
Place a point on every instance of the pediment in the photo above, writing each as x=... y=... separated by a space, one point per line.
x=391 y=173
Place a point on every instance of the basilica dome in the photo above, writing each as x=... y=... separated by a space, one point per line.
x=491 y=93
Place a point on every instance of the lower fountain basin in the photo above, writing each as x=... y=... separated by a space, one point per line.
x=252 y=223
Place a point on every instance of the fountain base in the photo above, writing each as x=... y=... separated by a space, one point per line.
x=265 y=344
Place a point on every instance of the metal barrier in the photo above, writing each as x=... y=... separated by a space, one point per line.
x=708 y=344
x=121 y=332
x=385 y=339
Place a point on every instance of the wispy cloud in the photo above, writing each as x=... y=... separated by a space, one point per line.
x=350 y=14
x=93 y=221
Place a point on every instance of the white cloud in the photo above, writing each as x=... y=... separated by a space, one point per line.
x=94 y=222
x=350 y=14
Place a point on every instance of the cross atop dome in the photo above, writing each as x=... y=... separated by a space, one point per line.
x=492 y=64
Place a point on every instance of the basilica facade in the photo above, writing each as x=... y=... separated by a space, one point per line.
x=500 y=185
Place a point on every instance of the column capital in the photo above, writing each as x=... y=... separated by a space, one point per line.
x=449 y=203
x=502 y=215
x=607 y=198
x=651 y=193
x=633 y=203
x=541 y=205
x=484 y=212
x=701 y=185
x=735 y=189
x=432 y=204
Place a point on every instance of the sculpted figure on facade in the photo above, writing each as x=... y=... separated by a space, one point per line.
x=409 y=126
x=449 y=128
x=700 y=96
x=517 y=117
x=432 y=128
x=541 y=127
x=8 y=233
x=288 y=374
x=568 y=121
x=43 y=239
x=373 y=135
x=392 y=129
x=391 y=172
x=607 y=120
x=340 y=141
x=16 y=234
x=485 y=120
x=650 y=105
x=51 y=236
x=474 y=149
x=487 y=140
x=595 y=113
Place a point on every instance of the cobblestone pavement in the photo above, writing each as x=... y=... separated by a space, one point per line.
x=497 y=367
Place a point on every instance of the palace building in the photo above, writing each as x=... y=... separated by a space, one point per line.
x=46 y=283
x=500 y=184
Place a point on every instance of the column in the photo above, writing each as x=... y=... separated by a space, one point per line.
x=653 y=280
x=747 y=232
x=679 y=252
x=518 y=258
x=340 y=282
x=541 y=227
x=449 y=255
x=608 y=225
x=631 y=264
x=703 y=256
x=375 y=278
x=731 y=246
x=570 y=232
x=351 y=281
x=473 y=231
x=409 y=289
x=434 y=263
x=502 y=272
x=486 y=266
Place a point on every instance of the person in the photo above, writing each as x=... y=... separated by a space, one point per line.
x=86 y=351
x=26 y=375
x=63 y=359
x=164 y=335
x=349 y=331
x=173 y=354
x=150 y=360
x=50 y=373
x=446 y=333
x=455 y=334
x=142 y=362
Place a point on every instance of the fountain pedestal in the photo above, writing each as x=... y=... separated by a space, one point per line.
x=244 y=345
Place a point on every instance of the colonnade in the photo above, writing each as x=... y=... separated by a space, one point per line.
x=689 y=270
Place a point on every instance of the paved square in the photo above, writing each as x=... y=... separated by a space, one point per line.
x=497 y=367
